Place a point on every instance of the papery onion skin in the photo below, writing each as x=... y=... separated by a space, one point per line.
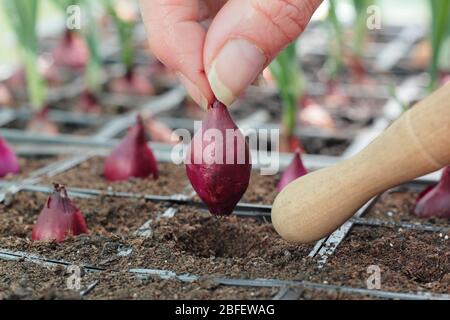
x=9 y=164
x=295 y=170
x=59 y=218
x=435 y=201
x=219 y=185
x=132 y=157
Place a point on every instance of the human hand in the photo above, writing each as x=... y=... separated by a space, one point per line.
x=218 y=47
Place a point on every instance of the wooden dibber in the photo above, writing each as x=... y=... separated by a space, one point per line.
x=417 y=143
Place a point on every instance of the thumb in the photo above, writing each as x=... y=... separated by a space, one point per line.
x=245 y=36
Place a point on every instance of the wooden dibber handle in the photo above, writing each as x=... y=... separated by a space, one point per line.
x=417 y=143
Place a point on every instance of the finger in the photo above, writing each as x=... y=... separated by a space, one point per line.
x=245 y=36
x=177 y=38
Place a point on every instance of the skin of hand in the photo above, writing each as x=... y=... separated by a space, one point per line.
x=218 y=47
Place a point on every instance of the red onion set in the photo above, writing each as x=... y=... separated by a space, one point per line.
x=59 y=218
x=132 y=157
x=218 y=161
x=295 y=170
x=435 y=201
x=9 y=164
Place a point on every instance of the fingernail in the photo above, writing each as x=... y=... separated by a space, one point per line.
x=193 y=91
x=236 y=66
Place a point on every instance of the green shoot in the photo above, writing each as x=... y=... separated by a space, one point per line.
x=22 y=15
x=440 y=23
x=288 y=76
x=334 y=62
x=125 y=30
x=360 y=7
x=95 y=64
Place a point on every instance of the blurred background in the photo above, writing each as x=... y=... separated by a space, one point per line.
x=358 y=65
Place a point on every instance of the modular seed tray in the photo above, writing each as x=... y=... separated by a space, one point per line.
x=154 y=243
x=164 y=244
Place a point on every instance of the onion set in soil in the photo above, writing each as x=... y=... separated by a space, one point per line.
x=288 y=76
x=59 y=218
x=41 y=122
x=295 y=170
x=435 y=201
x=132 y=157
x=9 y=164
x=71 y=51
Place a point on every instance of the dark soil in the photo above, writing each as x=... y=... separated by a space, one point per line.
x=30 y=164
x=26 y=280
x=409 y=260
x=64 y=128
x=104 y=215
x=128 y=286
x=191 y=242
x=172 y=179
x=196 y=242
x=397 y=206
x=262 y=189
